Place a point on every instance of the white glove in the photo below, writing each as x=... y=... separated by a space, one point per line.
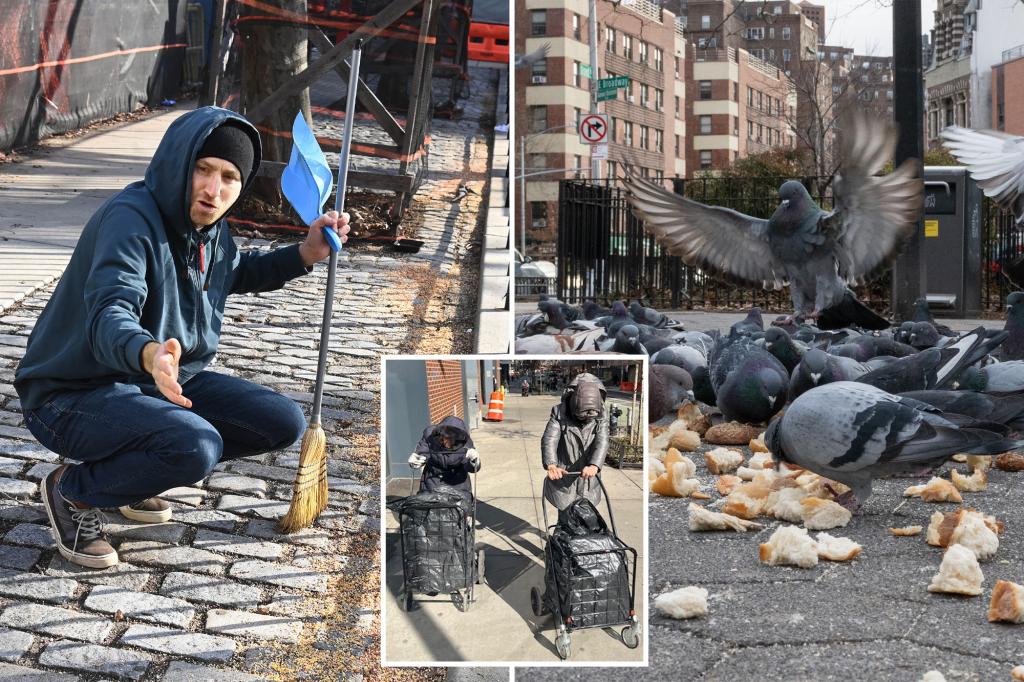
x=473 y=456
x=416 y=461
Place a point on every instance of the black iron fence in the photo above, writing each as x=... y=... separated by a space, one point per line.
x=604 y=252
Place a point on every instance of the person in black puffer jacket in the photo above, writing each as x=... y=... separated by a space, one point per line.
x=447 y=455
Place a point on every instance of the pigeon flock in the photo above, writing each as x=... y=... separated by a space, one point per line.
x=852 y=405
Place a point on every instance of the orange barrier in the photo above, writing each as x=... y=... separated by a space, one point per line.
x=495 y=408
x=488 y=42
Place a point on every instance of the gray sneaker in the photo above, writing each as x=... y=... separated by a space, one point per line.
x=77 y=532
x=153 y=510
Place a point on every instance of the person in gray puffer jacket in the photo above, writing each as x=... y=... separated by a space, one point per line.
x=575 y=440
x=447 y=455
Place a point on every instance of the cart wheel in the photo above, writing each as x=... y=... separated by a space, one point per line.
x=631 y=636
x=405 y=601
x=535 y=602
x=460 y=601
x=562 y=645
x=480 y=568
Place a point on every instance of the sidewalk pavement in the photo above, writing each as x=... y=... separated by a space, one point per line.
x=501 y=626
x=217 y=593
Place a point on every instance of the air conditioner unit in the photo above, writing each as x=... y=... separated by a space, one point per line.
x=540 y=222
x=631 y=99
x=539 y=80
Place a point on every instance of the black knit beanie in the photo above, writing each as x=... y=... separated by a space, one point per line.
x=229 y=141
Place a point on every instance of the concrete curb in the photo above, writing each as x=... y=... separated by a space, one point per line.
x=493 y=330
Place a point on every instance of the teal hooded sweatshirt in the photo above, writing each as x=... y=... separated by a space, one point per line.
x=142 y=272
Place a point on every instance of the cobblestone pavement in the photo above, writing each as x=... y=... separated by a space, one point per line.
x=216 y=594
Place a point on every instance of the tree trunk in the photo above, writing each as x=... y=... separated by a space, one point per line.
x=273 y=53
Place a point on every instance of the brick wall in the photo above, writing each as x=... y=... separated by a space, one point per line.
x=444 y=389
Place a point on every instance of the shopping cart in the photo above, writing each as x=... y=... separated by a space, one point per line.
x=438 y=545
x=589 y=579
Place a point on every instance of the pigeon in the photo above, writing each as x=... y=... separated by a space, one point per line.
x=1013 y=346
x=680 y=355
x=749 y=382
x=619 y=317
x=529 y=325
x=817 y=253
x=626 y=340
x=525 y=61
x=669 y=386
x=789 y=352
x=922 y=313
x=1004 y=408
x=648 y=316
x=750 y=324
x=1002 y=377
x=592 y=310
x=702 y=388
x=553 y=310
x=853 y=433
x=995 y=160
x=867 y=346
x=817 y=368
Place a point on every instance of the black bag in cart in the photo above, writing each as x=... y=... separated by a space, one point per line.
x=437 y=540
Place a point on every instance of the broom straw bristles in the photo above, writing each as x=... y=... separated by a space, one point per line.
x=309 y=493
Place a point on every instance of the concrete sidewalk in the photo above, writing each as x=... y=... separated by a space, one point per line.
x=501 y=626
x=46 y=199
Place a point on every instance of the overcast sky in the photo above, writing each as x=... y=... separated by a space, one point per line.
x=866 y=25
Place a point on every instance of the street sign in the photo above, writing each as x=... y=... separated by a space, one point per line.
x=584 y=69
x=608 y=88
x=593 y=128
x=599 y=152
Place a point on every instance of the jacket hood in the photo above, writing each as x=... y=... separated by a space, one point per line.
x=569 y=390
x=453 y=422
x=169 y=175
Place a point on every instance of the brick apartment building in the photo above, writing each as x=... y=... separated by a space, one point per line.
x=948 y=76
x=1008 y=92
x=638 y=40
x=740 y=105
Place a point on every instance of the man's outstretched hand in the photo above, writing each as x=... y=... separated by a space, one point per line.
x=161 y=361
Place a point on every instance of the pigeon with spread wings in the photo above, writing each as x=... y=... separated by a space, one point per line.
x=996 y=162
x=817 y=253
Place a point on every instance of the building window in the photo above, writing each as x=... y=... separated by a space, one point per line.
x=760 y=101
x=659 y=59
x=771 y=54
x=614 y=132
x=578 y=160
x=771 y=33
x=759 y=53
x=675 y=61
x=659 y=99
x=750 y=96
x=677 y=146
x=677 y=106
x=760 y=132
x=704 y=90
x=705 y=22
x=755 y=33
x=736 y=126
x=705 y=125
x=659 y=175
x=641 y=51
x=786 y=55
x=539 y=22
x=645 y=95
x=576 y=33
x=702 y=43
x=735 y=91
x=538 y=118
x=576 y=78
x=609 y=39
x=658 y=141
x=627 y=46
x=786 y=32
x=644 y=133
x=750 y=130
x=705 y=159
x=888 y=94
x=613 y=170
x=539 y=213
x=627 y=133
x=539 y=71
x=579 y=116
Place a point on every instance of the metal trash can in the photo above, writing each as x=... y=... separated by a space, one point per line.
x=952 y=245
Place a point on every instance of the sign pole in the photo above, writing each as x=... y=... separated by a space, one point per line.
x=595 y=165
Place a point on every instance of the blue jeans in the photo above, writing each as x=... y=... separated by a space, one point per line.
x=135 y=444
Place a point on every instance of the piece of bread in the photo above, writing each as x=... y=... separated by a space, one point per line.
x=1007 y=604
x=933 y=676
x=960 y=457
x=676 y=482
x=959 y=573
x=661 y=442
x=686 y=602
x=819 y=514
x=785 y=504
x=1017 y=672
x=656 y=467
x=1009 y=461
x=747 y=501
x=757 y=445
x=966 y=527
x=790 y=545
x=837 y=549
x=935 y=490
x=726 y=484
x=906 y=531
x=979 y=462
x=701 y=519
x=819 y=486
x=723 y=460
x=761 y=460
x=673 y=457
x=746 y=473
x=693 y=419
x=731 y=433
x=684 y=440
x=974 y=483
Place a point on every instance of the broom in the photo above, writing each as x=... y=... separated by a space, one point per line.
x=309 y=492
